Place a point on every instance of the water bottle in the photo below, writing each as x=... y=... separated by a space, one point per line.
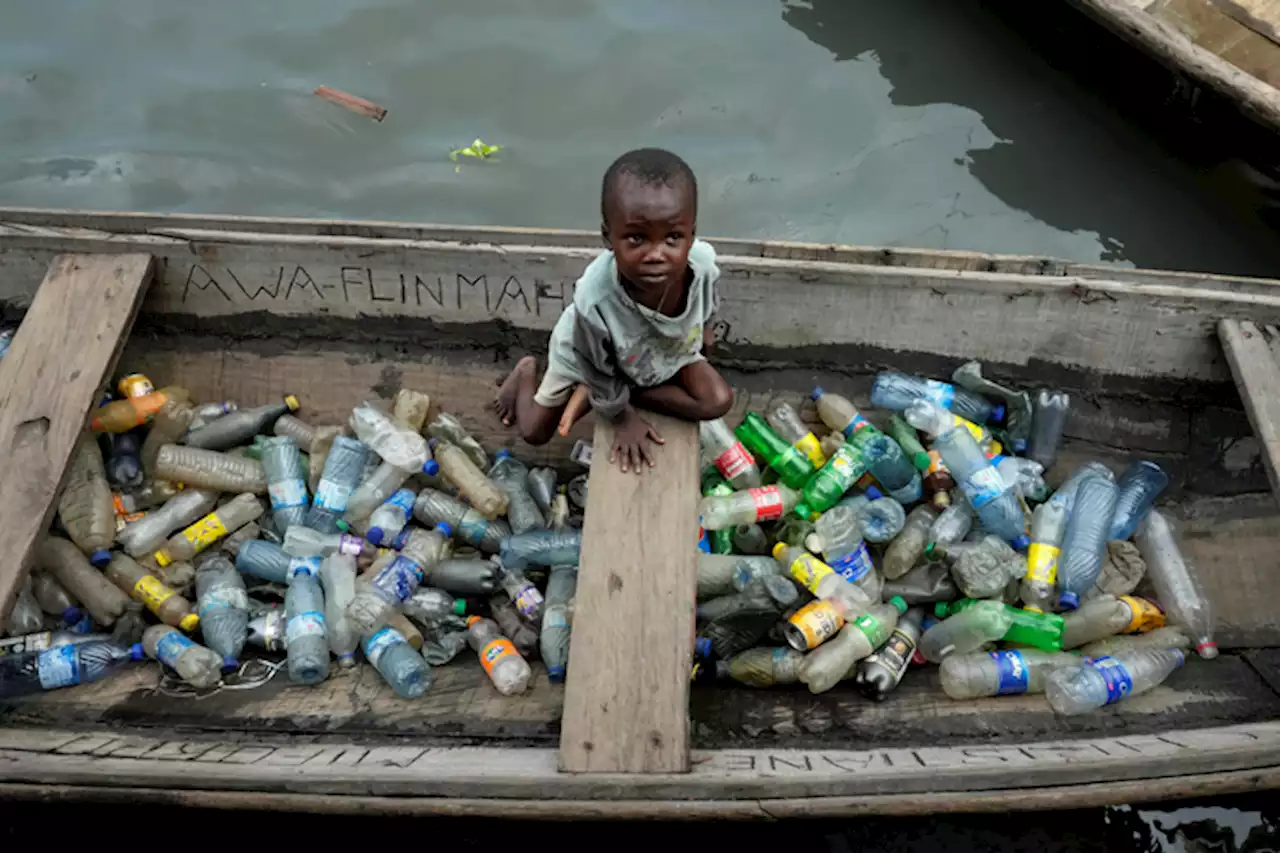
x=85 y=507
x=396 y=661
x=286 y=482
x=838 y=413
x=1039 y=585
x=991 y=499
x=1085 y=540
x=786 y=422
x=338 y=581
x=430 y=605
x=909 y=545
x=951 y=525
x=483 y=493
x=195 y=538
x=391 y=440
x=882 y=518
x=306 y=633
x=122 y=457
x=288 y=426
x=521 y=635
x=751 y=539
x=342 y=469
x=53 y=598
x=722 y=448
x=305 y=542
x=148 y=533
x=445 y=426
x=318 y=454
x=845 y=552
x=207 y=412
x=389 y=519
x=967 y=631
x=1039 y=630
x=104 y=600
x=26 y=617
x=169 y=607
x=469 y=525
x=541 y=548
x=1023 y=476
x=223 y=606
x=1169 y=637
x=38 y=641
x=542 y=486
x=938 y=481
x=149 y=495
x=825 y=488
x=512 y=476
x=196 y=665
x=374 y=491
x=764 y=503
x=1138 y=487
x=824 y=668
x=792 y=466
x=62 y=666
x=762 y=667
x=239 y=427
x=390 y=582
x=132 y=412
x=1066 y=493
x=508 y=671
x=876 y=676
x=1047 y=421
x=268 y=561
x=467 y=576
x=896 y=391
x=1008 y=673
x=1177 y=584
x=1109 y=615
x=209 y=469
x=1105 y=681
x=557 y=618
x=524 y=595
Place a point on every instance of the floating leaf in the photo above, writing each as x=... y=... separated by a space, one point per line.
x=479 y=150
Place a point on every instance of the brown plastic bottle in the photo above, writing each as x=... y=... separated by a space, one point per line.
x=104 y=601
x=169 y=607
x=168 y=426
x=938 y=481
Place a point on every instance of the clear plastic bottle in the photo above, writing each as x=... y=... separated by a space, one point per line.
x=150 y=494
x=541 y=548
x=53 y=598
x=397 y=662
x=207 y=412
x=1047 y=422
x=542 y=486
x=148 y=533
x=1104 y=681
x=1085 y=542
x=239 y=427
x=935 y=421
x=1139 y=486
x=390 y=583
x=967 y=631
x=306 y=632
x=1107 y=615
x=62 y=666
x=391 y=440
x=1048 y=528
x=512 y=476
x=198 y=666
x=470 y=576
x=895 y=391
x=838 y=413
x=267 y=630
x=1008 y=673
x=122 y=459
x=268 y=561
x=223 y=606
x=721 y=448
x=750 y=539
x=445 y=426
x=524 y=595
x=765 y=503
x=430 y=605
x=951 y=525
x=909 y=545
x=132 y=412
x=1066 y=494
x=507 y=670
x=288 y=426
x=1024 y=476
x=469 y=525
x=209 y=469
x=877 y=675
x=103 y=599
x=192 y=540
x=304 y=542
x=882 y=518
x=338 y=579
x=26 y=617
x=991 y=499
x=829 y=663
x=557 y=620
x=509 y=622
x=38 y=641
x=483 y=493
x=286 y=482
x=786 y=422
x=374 y=491
x=318 y=453
x=1169 y=637
x=762 y=667
x=85 y=507
x=391 y=516
x=169 y=607
x=843 y=549
x=1177 y=584
x=342 y=469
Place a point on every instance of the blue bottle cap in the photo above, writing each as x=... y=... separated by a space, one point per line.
x=702 y=647
x=136 y=652
x=229 y=664
x=374 y=535
x=874 y=493
x=816 y=393
x=71 y=616
x=445 y=529
x=503 y=453
x=431 y=467
x=1021 y=543
x=100 y=557
x=556 y=674
x=1068 y=601
x=997 y=414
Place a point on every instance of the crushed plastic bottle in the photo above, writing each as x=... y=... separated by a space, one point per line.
x=524 y=595
x=1122 y=570
x=484 y=495
x=1024 y=476
x=521 y=635
x=26 y=617
x=557 y=620
x=734 y=623
x=1039 y=585
x=838 y=413
x=472 y=577
x=762 y=667
x=390 y=582
x=507 y=670
x=722 y=448
x=542 y=486
x=239 y=427
x=764 y=503
x=1108 y=615
x=445 y=426
x=390 y=439
x=209 y=469
x=935 y=421
x=843 y=549
x=1047 y=422
x=967 y=631
x=982 y=568
x=391 y=516
x=882 y=518
x=198 y=666
x=397 y=662
x=373 y=492
x=306 y=632
x=1085 y=540
x=716 y=572
x=1138 y=487
x=341 y=475
x=430 y=605
x=104 y=600
x=1177 y=585
x=785 y=421
x=909 y=545
x=877 y=675
x=268 y=561
x=541 y=548
x=304 y=542
x=286 y=482
x=1008 y=673
x=1017 y=404
x=85 y=507
x=62 y=666
x=829 y=663
x=751 y=539
x=192 y=540
x=512 y=476
x=927 y=583
x=169 y=607
x=791 y=465
x=1104 y=681
x=469 y=525
x=991 y=499
x=148 y=533
x=895 y=391
x=951 y=525
x=222 y=605
x=1066 y=494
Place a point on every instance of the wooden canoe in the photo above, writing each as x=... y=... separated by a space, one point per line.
x=333 y=311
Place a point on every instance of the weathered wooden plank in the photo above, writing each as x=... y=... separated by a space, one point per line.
x=1258 y=377
x=65 y=348
x=626 y=704
x=1261 y=16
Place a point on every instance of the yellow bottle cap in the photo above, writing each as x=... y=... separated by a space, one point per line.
x=189 y=622
x=779 y=550
x=163 y=558
x=292 y=402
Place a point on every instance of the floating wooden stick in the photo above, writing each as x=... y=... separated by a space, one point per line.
x=351 y=102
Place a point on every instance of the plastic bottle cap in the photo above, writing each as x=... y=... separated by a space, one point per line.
x=71 y=615
x=102 y=556
x=874 y=493
x=940 y=610
x=374 y=535
x=471 y=620
x=1021 y=543
x=702 y=647
x=779 y=550
x=342 y=525
x=444 y=529
x=503 y=453
x=921 y=461
x=997 y=414
x=899 y=602
x=189 y=622
x=1069 y=601
x=816 y=393
x=136 y=652
x=431 y=467
x=162 y=558
x=292 y=402
x=556 y=674
x=229 y=664
x=803 y=510
x=460 y=607
x=930 y=549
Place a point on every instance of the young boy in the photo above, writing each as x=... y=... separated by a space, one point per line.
x=639 y=322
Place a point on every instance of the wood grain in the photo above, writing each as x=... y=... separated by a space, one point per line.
x=63 y=351
x=627 y=692
x=1258 y=377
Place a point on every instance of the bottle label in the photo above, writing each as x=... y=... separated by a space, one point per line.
x=308 y=624
x=809 y=570
x=1147 y=615
x=379 y=642
x=528 y=601
x=940 y=393
x=1115 y=676
x=1012 y=673
x=287 y=494
x=473 y=527
x=152 y=592
x=846 y=465
x=171 y=647
x=812 y=448
x=352 y=546
x=58 y=667
x=768 y=500
x=854 y=425
x=222 y=598
x=495 y=652
x=871 y=628
x=303 y=566
x=895 y=654
x=818 y=621
x=1042 y=562
x=936 y=465
x=400 y=578
x=332 y=496
x=734 y=461
x=205 y=532
x=403 y=498
x=28 y=643
x=854 y=567
x=983 y=486
x=555 y=617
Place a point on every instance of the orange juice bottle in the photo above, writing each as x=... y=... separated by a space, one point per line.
x=124 y=415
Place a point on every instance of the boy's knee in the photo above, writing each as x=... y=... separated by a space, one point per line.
x=719 y=401
x=536 y=434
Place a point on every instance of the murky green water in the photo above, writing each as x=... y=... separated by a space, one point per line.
x=916 y=122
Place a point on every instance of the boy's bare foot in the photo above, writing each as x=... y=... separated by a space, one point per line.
x=578 y=405
x=505 y=402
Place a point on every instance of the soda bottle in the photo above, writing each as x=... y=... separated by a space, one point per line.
x=765 y=503
x=524 y=595
x=467 y=576
x=286 y=482
x=389 y=583
x=512 y=476
x=838 y=413
x=266 y=560
x=62 y=666
x=786 y=422
x=1177 y=584
x=1085 y=540
x=909 y=545
x=967 y=631
x=730 y=457
x=845 y=552
x=305 y=542
x=196 y=665
x=877 y=675
x=169 y=607
x=762 y=667
x=192 y=540
x=750 y=539
x=951 y=525
x=1104 y=681
x=1109 y=615
x=825 y=488
x=306 y=632
x=557 y=619
x=508 y=671
x=338 y=581
x=1048 y=527
x=411 y=408
x=448 y=428
x=896 y=391
x=1007 y=673
x=909 y=440
x=985 y=490
x=938 y=481
x=85 y=507
x=148 y=533
x=521 y=635
x=1139 y=486
x=391 y=440
x=1043 y=631
x=541 y=548
x=209 y=469
x=1168 y=637
x=239 y=427
x=222 y=604
x=341 y=475
x=396 y=661
x=1049 y=416
x=67 y=564
x=470 y=481
x=131 y=412
x=434 y=507
x=389 y=519
x=824 y=668
x=430 y=605
x=792 y=466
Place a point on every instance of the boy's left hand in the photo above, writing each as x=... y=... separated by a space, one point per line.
x=631 y=437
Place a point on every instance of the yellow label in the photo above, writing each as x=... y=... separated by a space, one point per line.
x=1042 y=562
x=818 y=621
x=152 y=592
x=810 y=447
x=205 y=532
x=1147 y=615
x=809 y=570
x=496 y=650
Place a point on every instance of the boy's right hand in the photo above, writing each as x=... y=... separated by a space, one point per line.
x=631 y=437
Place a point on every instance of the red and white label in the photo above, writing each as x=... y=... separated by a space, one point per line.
x=768 y=502
x=734 y=461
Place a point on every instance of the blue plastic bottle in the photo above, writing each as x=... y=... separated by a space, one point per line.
x=891 y=468
x=1085 y=543
x=269 y=562
x=403 y=668
x=1139 y=486
x=63 y=666
x=990 y=497
x=895 y=391
x=341 y=476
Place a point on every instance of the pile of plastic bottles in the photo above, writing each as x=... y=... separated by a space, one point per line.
x=934 y=538
x=196 y=533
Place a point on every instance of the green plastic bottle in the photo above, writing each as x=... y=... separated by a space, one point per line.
x=825 y=488
x=1039 y=630
x=721 y=541
x=909 y=440
x=793 y=467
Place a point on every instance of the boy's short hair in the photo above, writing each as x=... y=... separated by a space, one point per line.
x=650 y=166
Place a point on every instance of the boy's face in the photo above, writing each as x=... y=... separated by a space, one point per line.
x=651 y=229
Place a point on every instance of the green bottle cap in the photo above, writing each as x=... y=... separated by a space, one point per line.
x=803 y=511
x=929 y=549
x=921 y=461
x=940 y=610
x=898 y=602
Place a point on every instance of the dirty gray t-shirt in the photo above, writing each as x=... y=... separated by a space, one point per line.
x=609 y=342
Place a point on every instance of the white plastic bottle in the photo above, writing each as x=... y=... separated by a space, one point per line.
x=1177 y=584
x=306 y=633
x=1107 y=680
x=508 y=671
